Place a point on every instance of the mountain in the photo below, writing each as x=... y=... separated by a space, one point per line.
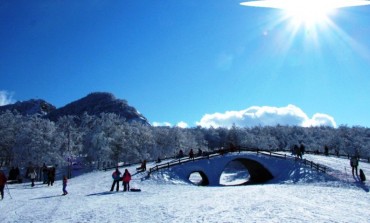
x=93 y=104
x=97 y=103
x=30 y=107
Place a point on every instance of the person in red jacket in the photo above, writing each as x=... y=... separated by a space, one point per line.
x=126 y=180
x=3 y=180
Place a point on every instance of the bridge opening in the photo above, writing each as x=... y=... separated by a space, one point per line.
x=199 y=178
x=245 y=171
x=235 y=173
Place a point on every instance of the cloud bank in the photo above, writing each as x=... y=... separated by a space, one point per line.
x=5 y=98
x=266 y=116
x=180 y=124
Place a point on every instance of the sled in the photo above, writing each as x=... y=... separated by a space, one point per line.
x=135 y=190
x=362 y=175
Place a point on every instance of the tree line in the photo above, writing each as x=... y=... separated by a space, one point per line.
x=109 y=138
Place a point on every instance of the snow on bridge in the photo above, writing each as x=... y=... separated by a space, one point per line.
x=262 y=168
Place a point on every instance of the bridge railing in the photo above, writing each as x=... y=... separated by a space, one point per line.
x=313 y=165
x=318 y=167
x=181 y=160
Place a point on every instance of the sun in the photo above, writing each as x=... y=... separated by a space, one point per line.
x=307 y=12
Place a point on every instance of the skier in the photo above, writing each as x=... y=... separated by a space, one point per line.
x=126 y=180
x=32 y=175
x=116 y=175
x=3 y=180
x=354 y=165
x=65 y=180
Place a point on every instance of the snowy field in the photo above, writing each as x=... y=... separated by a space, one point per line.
x=163 y=199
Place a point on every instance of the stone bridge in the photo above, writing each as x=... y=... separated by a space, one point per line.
x=261 y=167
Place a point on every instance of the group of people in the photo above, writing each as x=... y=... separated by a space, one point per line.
x=14 y=175
x=126 y=178
x=191 y=153
x=48 y=175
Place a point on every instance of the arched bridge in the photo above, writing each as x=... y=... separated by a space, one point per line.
x=262 y=166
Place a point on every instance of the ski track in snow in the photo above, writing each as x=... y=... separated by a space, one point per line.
x=338 y=199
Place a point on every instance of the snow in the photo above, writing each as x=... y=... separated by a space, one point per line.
x=337 y=198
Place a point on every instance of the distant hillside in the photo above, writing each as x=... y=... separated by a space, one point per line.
x=30 y=107
x=93 y=104
x=97 y=103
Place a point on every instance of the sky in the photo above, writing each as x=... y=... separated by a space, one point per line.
x=306 y=196
x=188 y=63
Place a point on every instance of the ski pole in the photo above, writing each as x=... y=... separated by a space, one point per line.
x=7 y=189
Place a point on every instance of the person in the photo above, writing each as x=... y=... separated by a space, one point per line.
x=3 y=180
x=232 y=147
x=32 y=175
x=159 y=160
x=126 y=180
x=51 y=176
x=12 y=176
x=17 y=175
x=65 y=180
x=44 y=173
x=354 y=165
x=143 y=165
x=297 y=151
x=302 y=150
x=200 y=152
x=191 y=154
x=326 y=149
x=116 y=175
x=181 y=154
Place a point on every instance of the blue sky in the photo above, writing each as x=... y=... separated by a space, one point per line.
x=196 y=62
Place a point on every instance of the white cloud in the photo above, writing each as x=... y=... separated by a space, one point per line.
x=182 y=125
x=155 y=124
x=5 y=98
x=265 y=116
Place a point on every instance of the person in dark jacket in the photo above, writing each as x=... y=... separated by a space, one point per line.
x=126 y=180
x=65 y=180
x=116 y=175
x=44 y=174
x=191 y=154
x=3 y=180
x=51 y=176
x=354 y=165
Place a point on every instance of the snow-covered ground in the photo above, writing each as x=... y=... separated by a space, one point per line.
x=339 y=198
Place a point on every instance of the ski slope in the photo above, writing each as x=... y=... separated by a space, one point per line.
x=333 y=197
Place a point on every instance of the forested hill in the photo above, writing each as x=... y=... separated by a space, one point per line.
x=93 y=104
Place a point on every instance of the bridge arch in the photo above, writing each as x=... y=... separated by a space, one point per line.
x=258 y=173
x=204 y=178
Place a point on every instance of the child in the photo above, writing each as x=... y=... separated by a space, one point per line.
x=126 y=180
x=65 y=192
